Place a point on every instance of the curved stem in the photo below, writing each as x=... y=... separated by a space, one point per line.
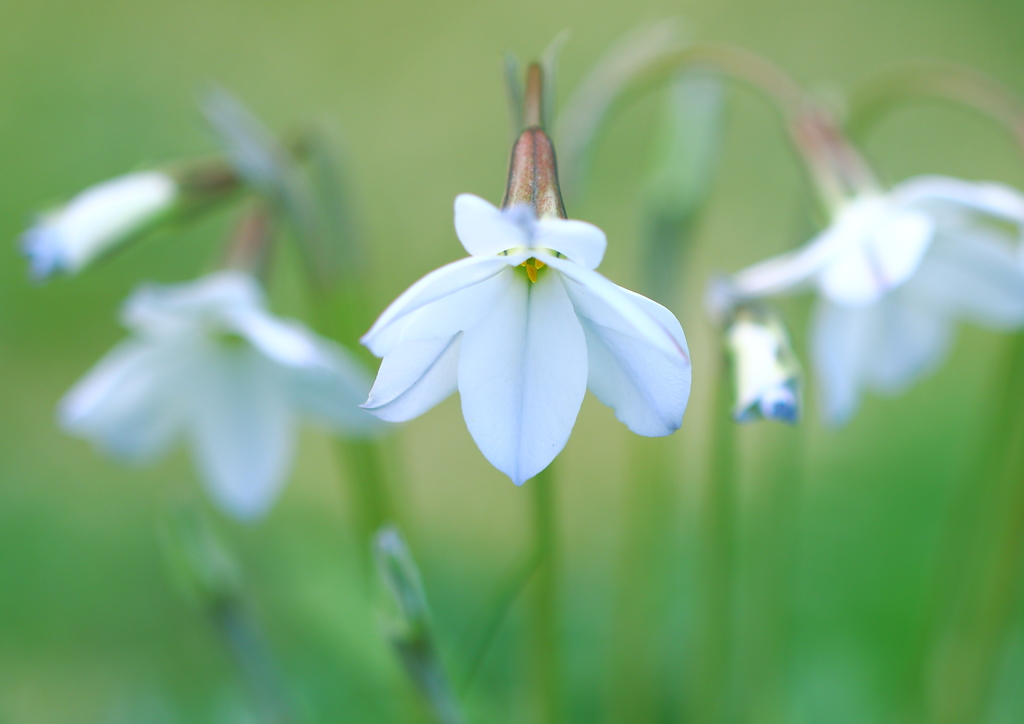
x=941 y=81
x=837 y=168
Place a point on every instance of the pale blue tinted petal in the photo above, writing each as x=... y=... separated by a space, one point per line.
x=242 y=430
x=990 y=198
x=389 y=328
x=579 y=241
x=459 y=311
x=887 y=258
x=168 y=309
x=839 y=336
x=414 y=377
x=484 y=229
x=609 y=305
x=126 y=404
x=522 y=377
x=331 y=393
x=905 y=341
x=973 y=275
x=647 y=388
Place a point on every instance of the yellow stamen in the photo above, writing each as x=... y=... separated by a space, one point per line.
x=539 y=264
x=531 y=272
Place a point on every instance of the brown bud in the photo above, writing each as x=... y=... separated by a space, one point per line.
x=533 y=171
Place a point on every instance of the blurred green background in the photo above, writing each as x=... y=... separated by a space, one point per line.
x=92 y=629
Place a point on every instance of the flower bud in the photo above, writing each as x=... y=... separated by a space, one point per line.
x=766 y=374
x=95 y=221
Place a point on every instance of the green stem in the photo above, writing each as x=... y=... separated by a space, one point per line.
x=371 y=502
x=966 y=644
x=504 y=601
x=713 y=669
x=639 y=690
x=546 y=656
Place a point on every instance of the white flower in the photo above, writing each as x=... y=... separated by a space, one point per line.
x=94 y=221
x=894 y=272
x=522 y=328
x=207 y=362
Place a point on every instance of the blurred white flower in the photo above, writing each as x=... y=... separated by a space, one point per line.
x=207 y=362
x=521 y=329
x=894 y=273
x=68 y=238
x=765 y=371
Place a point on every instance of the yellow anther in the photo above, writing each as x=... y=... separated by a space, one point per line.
x=531 y=272
x=539 y=264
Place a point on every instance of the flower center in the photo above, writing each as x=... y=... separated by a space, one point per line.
x=532 y=266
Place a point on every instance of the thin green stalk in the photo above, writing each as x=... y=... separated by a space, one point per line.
x=503 y=602
x=638 y=686
x=546 y=659
x=966 y=644
x=256 y=663
x=712 y=671
x=767 y=563
x=371 y=500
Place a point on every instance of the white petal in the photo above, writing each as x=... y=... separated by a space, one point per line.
x=414 y=377
x=390 y=327
x=125 y=403
x=609 y=305
x=459 y=311
x=973 y=275
x=839 y=339
x=995 y=199
x=522 y=377
x=582 y=242
x=286 y=342
x=796 y=269
x=647 y=389
x=331 y=393
x=242 y=430
x=887 y=258
x=168 y=309
x=486 y=230
x=905 y=341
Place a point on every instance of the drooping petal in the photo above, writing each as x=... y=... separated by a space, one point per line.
x=242 y=429
x=414 y=377
x=460 y=275
x=486 y=230
x=286 y=342
x=459 y=311
x=161 y=310
x=331 y=393
x=125 y=404
x=995 y=199
x=647 y=387
x=796 y=269
x=523 y=376
x=609 y=305
x=887 y=258
x=581 y=242
x=839 y=337
x=973 y=275
x=905 y=340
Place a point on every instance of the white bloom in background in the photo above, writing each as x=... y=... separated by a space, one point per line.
x=765 y=372
x=209 y=364
x=894 y=273
x=521 y=329
x=93 y=222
